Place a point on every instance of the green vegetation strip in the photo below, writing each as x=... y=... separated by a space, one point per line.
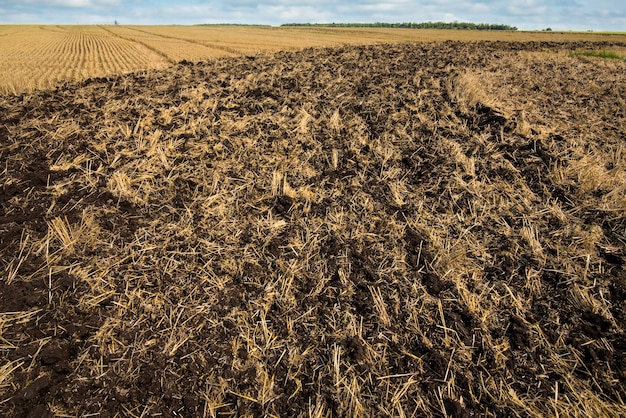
x=599 y=54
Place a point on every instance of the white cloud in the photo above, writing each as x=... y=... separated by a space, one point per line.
x=71 y=3
x=479 y=8
x=526 y=7
x=295 y=14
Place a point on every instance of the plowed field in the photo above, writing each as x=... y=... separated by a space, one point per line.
x=404 y=230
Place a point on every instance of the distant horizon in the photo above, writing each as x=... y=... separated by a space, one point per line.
x=303 y=24
x=526 y=15
x=290 y=24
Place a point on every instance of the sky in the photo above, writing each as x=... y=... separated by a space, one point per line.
x=597 y=15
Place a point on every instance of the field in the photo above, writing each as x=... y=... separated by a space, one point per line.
x=35 y=57
x=401 y=229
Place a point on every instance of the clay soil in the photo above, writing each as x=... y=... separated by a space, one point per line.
x=392 y=230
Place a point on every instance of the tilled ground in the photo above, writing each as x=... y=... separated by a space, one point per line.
x=406 y=230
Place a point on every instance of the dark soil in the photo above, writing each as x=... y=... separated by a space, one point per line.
x=353 y=231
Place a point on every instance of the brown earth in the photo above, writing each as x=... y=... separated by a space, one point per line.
x=397 y=230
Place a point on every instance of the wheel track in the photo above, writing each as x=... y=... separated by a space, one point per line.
x=125 y=58
x=151 y=48
x=208 y=45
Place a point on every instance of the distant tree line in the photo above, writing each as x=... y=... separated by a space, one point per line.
x=423 y=25
x=231 y=24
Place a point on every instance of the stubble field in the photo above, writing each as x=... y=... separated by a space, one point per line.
x=434 y=229
x=35 y=57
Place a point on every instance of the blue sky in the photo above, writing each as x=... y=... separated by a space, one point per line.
x=597 y=15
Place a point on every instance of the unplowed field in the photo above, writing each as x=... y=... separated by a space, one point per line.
x=393 y=230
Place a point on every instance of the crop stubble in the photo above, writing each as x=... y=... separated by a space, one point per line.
x=396 y=230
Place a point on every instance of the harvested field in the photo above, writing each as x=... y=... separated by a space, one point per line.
x=37 y=57
x=408 y=230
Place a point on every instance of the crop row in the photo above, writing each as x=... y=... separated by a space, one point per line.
x=39 y=57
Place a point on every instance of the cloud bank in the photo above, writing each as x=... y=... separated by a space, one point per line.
x=608 y=15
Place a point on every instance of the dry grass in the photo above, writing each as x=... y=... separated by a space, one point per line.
x=398 y=230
